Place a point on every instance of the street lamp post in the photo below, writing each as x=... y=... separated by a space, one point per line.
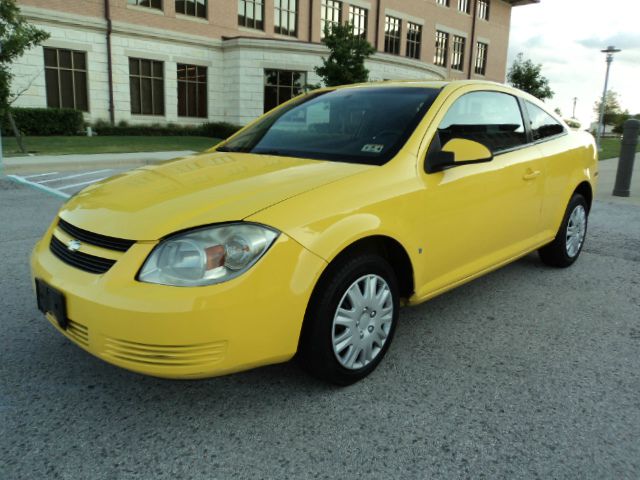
x=610 y=51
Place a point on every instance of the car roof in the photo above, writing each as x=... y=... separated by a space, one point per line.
x=439 y=84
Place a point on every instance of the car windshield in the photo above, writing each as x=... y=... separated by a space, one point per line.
x=358 y=125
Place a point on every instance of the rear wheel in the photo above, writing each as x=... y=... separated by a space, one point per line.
x=351 y=320
x=566 y=247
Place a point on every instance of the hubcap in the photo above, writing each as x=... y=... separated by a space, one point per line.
x=576 y=230
x=362 y=322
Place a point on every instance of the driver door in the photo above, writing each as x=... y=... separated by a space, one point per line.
x=481 y=215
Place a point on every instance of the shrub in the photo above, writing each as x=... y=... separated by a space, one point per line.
x=213 y=130
x=219 y=129
x=45 y=121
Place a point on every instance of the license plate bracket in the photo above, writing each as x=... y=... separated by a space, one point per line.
x=52 y=301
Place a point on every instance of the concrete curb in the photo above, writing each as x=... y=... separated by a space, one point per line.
x=47 y=163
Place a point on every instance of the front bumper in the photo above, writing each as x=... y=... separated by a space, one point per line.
x=185 y=332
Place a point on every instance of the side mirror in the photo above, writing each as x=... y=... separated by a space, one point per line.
x=456 y=152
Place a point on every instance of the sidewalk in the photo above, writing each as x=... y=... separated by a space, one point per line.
x=46 y=163
x=607 y=179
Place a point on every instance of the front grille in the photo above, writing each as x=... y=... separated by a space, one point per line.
x=111 y=243
x=82 y=261
x=166 y=355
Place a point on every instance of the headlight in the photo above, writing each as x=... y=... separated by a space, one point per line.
x=208 y=255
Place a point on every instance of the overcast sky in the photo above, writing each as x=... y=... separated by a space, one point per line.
x=566 y=36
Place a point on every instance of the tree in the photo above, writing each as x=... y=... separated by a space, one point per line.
x=347 y=53
x=612 y=110
x=16 y=36
x=527 y=76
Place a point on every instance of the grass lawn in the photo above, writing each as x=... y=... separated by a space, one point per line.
x=611 y=148
x=106 y=144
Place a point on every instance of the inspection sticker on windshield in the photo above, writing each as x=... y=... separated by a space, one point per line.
x=373 y=148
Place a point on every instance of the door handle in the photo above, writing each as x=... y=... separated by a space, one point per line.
x=531 y=174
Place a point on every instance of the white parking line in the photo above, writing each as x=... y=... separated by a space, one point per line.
x=84 y=174
x=53 y=191
x=40 y=175
x=81 y=183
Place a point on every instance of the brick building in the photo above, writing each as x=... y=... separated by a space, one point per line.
x=186 y=61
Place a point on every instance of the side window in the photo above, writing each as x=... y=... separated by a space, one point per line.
x=543 y=125
x=491 y=118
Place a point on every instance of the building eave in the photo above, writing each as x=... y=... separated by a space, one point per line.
x=519 y=3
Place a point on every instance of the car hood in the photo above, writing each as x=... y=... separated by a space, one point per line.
x=154 y=201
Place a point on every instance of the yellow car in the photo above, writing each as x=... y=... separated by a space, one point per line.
x=307 y=230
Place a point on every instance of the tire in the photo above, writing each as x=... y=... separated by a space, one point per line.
x=566 y=247
x=361 y=340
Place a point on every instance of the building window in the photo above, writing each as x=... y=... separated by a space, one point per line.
x=330 y=14
x=442 y=49
x=285 y=20
x=483 y=9
x=464 y=6
x=457 y=54
x=443 y=2
x=193 y=8
x=358 y=18
x=282 y=85
x=146 y=3
x=414 y=40
x=192 y=91
x=146 y=83
x=481 y=58
x=251 y=14
x=66 y=79
x=392 y=35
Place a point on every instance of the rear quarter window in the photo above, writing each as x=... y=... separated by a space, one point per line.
x=543 y=125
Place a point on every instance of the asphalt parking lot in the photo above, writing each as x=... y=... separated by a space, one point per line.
x=528 y=372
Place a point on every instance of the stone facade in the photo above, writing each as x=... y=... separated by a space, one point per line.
x=235 y=57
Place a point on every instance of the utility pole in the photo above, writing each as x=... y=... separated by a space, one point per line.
x=610 y=51
x=575 y=101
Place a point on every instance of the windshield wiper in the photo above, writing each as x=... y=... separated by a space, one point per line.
x=279 y=153
x=231 y=149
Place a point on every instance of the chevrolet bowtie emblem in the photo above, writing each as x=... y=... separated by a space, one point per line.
x=74 y=245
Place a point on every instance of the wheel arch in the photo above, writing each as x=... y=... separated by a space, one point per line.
x=387 y=247
x=585 y=189
x=391 y=249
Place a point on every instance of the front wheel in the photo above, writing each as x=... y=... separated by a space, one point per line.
x=566 y=247
x=351 y=319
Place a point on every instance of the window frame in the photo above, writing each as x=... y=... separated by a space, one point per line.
x=186 y=82
x=414 y=46
x=528 y=126
x=458 y=40
x=361 y=13
x=495 y=153
x=444 y=3
x=467 y=6
x=388 y=38
x=277 y=14
x=525 y=119
x=327 y=6
x=195 y=8
x=136 y=3
x=445 y=56
x=485 y=58
x=486 y=10
x=139 y=77
x=58 y=68
x=246 y=23
x=278 y=86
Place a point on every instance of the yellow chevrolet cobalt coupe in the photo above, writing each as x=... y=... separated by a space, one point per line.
x=305 y=232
